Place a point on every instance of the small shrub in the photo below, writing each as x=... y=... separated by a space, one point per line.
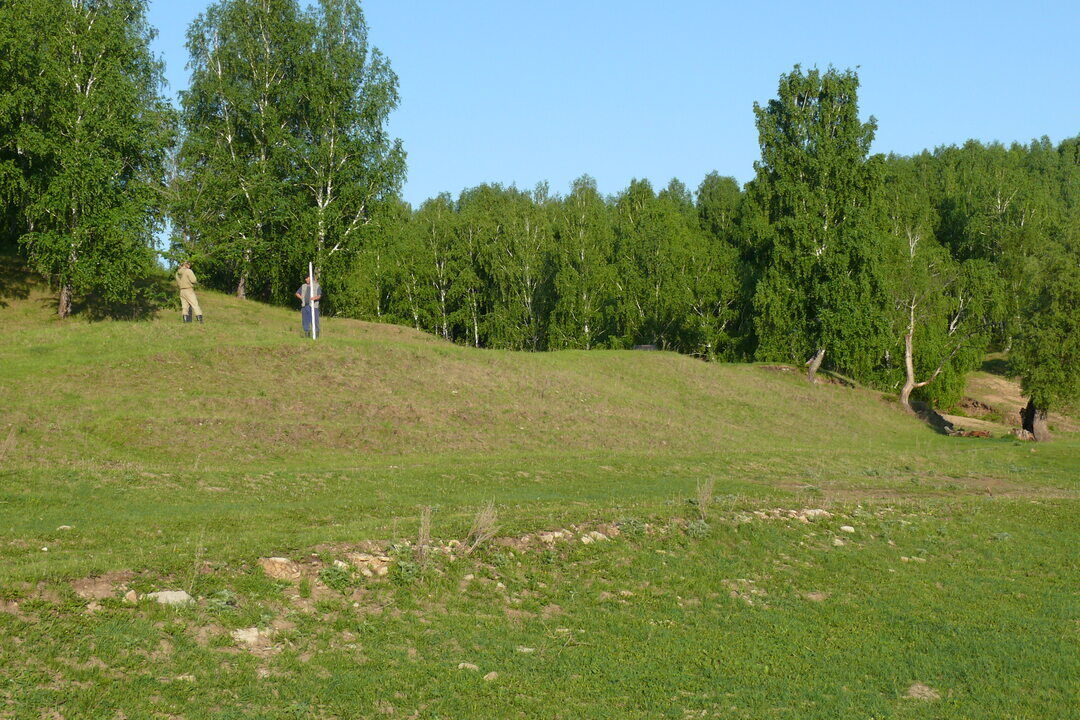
x=405 y=572
x=631 y=526
x=305 y=588
x=698 y=529
x=222 y=600
x=337 y=578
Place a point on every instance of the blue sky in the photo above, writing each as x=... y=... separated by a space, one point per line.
x=520 y=92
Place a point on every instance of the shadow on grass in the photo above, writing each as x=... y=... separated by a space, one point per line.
x=932 y=417
x=149 y=294
x=996 y=366
x=15 y=279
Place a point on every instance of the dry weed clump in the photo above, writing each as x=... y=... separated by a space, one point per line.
x=705 y=497
x=483 y=528
x=422 y=550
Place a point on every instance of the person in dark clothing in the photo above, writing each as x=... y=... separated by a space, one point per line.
x=309 y=295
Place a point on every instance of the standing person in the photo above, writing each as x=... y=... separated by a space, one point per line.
x=186 y=281
x=309 y=294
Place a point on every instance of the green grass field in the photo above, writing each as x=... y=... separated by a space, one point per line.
x=149 y=456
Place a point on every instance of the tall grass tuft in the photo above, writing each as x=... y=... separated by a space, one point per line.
x=422 y=551
x=705 y=497
x=483 y=528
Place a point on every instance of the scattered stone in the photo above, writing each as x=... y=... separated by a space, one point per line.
x=341 y=565
x=838 y=542
x=185 y=678
x=468 y=666
x=491 y=676
x=1021 y=434
x=93 y=607
x=915 y=559
x=586 y=539
x=468 y=577
x=65 y=527
x=918 y=691
x=597 y=535
x=131 y=596
x=814 y=513
x=847 y=529
x=370 y=565
x=253 y=637
x=743 y=589
x=626 y=593
x=280 y=568
x=171 y=597
x=525 y=650
x=552 y=536
x=500 y=586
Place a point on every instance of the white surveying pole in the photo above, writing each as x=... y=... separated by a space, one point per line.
x=311 y=299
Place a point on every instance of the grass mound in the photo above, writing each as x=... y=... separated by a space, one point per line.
x=654 y=536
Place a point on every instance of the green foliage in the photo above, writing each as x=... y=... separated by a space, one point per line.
x=84 y=131
x=285 y=156
x=1046 y=354
x=337 y=578
x=820 y=285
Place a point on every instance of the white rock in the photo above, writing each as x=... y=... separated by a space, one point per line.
x=586 y=539
x=491 y=676
x=598 y=536
x=382 y=570
x=171 y=597
x=249 y=636
x=467 y=666
x=838 y=542
x=847 y=529
x=814 y=513
x=65 y=527
x=525 y=650
x=131 y=596
x=341 y=565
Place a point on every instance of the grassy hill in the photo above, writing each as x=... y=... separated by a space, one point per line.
x=182 y=456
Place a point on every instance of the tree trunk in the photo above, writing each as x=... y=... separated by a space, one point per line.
x=63 y=308
x=241 y=287
x=909 y=367
x=1034 y=421
x=813 y=364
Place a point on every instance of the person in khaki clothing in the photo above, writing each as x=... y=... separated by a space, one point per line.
x=186 y=281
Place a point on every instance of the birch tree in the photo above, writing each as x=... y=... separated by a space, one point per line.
x=346 y=162
x=820 y=289
x=85 y=144
x=584 y=278
x=233 y=199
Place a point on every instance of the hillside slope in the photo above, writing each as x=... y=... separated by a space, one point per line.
x=248 y=388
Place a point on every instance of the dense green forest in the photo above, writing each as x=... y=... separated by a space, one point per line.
x=899 y=272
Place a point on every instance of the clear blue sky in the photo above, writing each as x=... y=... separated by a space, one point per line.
x=517 y=92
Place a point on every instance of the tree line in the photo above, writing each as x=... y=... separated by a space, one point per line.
x=896 y=271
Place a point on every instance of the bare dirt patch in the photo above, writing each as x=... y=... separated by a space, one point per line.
x=104 y=586
x=918 y=691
